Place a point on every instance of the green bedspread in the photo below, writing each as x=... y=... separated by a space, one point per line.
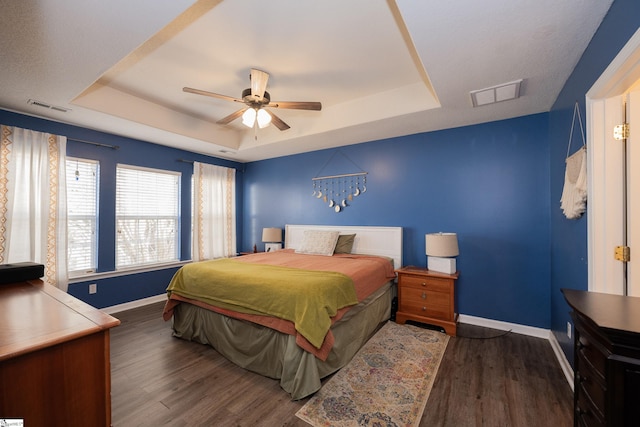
x=307 y=298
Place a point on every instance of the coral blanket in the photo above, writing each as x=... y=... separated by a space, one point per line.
x=305 y=297
x=261 y=284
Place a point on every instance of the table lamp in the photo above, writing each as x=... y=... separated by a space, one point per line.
x=440 y=249
x=272 y=239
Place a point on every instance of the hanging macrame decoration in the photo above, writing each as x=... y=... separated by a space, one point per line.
x=338 y=191
x=574 y=194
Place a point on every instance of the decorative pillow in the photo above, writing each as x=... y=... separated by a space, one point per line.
x=345 y=244
x=318 y=242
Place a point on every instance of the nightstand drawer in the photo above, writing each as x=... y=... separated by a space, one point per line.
x=429 y=283
x=422 y=302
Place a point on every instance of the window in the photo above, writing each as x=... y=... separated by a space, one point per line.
x=147 y=216
x=82 y=215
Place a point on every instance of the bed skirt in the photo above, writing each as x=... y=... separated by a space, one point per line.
x=276 y=355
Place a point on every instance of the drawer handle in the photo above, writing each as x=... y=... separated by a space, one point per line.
x=424 y=308
x=580 y=412
x=424 y=295
x=423 y=284
x=582 y=343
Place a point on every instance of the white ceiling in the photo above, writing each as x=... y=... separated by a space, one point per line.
x=380 y=68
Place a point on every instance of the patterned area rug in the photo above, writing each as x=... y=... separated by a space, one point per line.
x=387 y=383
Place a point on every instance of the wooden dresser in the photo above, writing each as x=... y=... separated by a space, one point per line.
x=427 y=297
x=606 y=358
x=54 y=357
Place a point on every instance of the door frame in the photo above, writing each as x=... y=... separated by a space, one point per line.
x=604 y=108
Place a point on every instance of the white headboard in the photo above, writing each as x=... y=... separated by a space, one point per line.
x=383 y=241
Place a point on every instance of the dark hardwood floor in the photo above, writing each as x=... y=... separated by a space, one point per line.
x=512 y=380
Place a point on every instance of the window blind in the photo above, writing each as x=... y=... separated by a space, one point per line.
x=147 y=216
x=82 y=215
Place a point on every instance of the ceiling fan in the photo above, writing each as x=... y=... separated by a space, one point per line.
x=256 y=99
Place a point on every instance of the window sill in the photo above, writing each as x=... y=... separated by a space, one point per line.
x=125 y=272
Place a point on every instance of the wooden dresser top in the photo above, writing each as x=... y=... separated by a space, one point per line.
x=34 y=315
x=607 y=311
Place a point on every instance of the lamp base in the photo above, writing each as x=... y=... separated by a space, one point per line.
x=441 y=265
x=270 y=247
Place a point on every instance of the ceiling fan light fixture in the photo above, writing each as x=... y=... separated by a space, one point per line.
x=264 y=118
x=249 y=117
x=255 y=98
x=253 y=115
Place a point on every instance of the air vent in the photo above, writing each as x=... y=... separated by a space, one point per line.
x=49 y=106
x=499 y=93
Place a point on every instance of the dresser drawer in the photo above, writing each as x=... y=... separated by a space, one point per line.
x=429 y=283
x=606 y=358
x=422 y=302
x=591 y=357
x=590 y=387
x=585 y=414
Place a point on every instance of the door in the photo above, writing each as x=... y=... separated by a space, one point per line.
x=605 y=204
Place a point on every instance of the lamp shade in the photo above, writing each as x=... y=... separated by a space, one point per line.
x=271 y=235
x=441 y=244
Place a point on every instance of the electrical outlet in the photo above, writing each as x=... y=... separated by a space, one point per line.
x=93 y=288
x=569 y=329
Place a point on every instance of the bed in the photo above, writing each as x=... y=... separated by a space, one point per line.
x=298 y=342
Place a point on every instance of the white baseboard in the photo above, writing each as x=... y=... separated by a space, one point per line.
x=562 y=359
x=525 y=330
x=134 y=304
x=505 y=326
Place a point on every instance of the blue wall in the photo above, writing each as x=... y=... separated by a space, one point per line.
x=569 y=237
x=497 y=185
x=130 y=287
x=489 y=183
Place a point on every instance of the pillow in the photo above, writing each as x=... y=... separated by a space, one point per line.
x=345 y=244
x=315 y=242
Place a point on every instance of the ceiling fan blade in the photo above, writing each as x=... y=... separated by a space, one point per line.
x=292 y=105
x=231 y=117
x=277 y=122
x=259 y=81
x=211 y=94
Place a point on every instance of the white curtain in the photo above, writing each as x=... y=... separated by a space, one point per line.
x=214 y=219
x=33 y=207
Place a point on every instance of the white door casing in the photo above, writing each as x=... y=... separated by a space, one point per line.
x=633 y=193
x=605 y=228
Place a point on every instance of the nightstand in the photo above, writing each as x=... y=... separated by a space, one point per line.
x=427 y=297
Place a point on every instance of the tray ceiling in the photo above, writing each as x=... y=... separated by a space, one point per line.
x=380 y=68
